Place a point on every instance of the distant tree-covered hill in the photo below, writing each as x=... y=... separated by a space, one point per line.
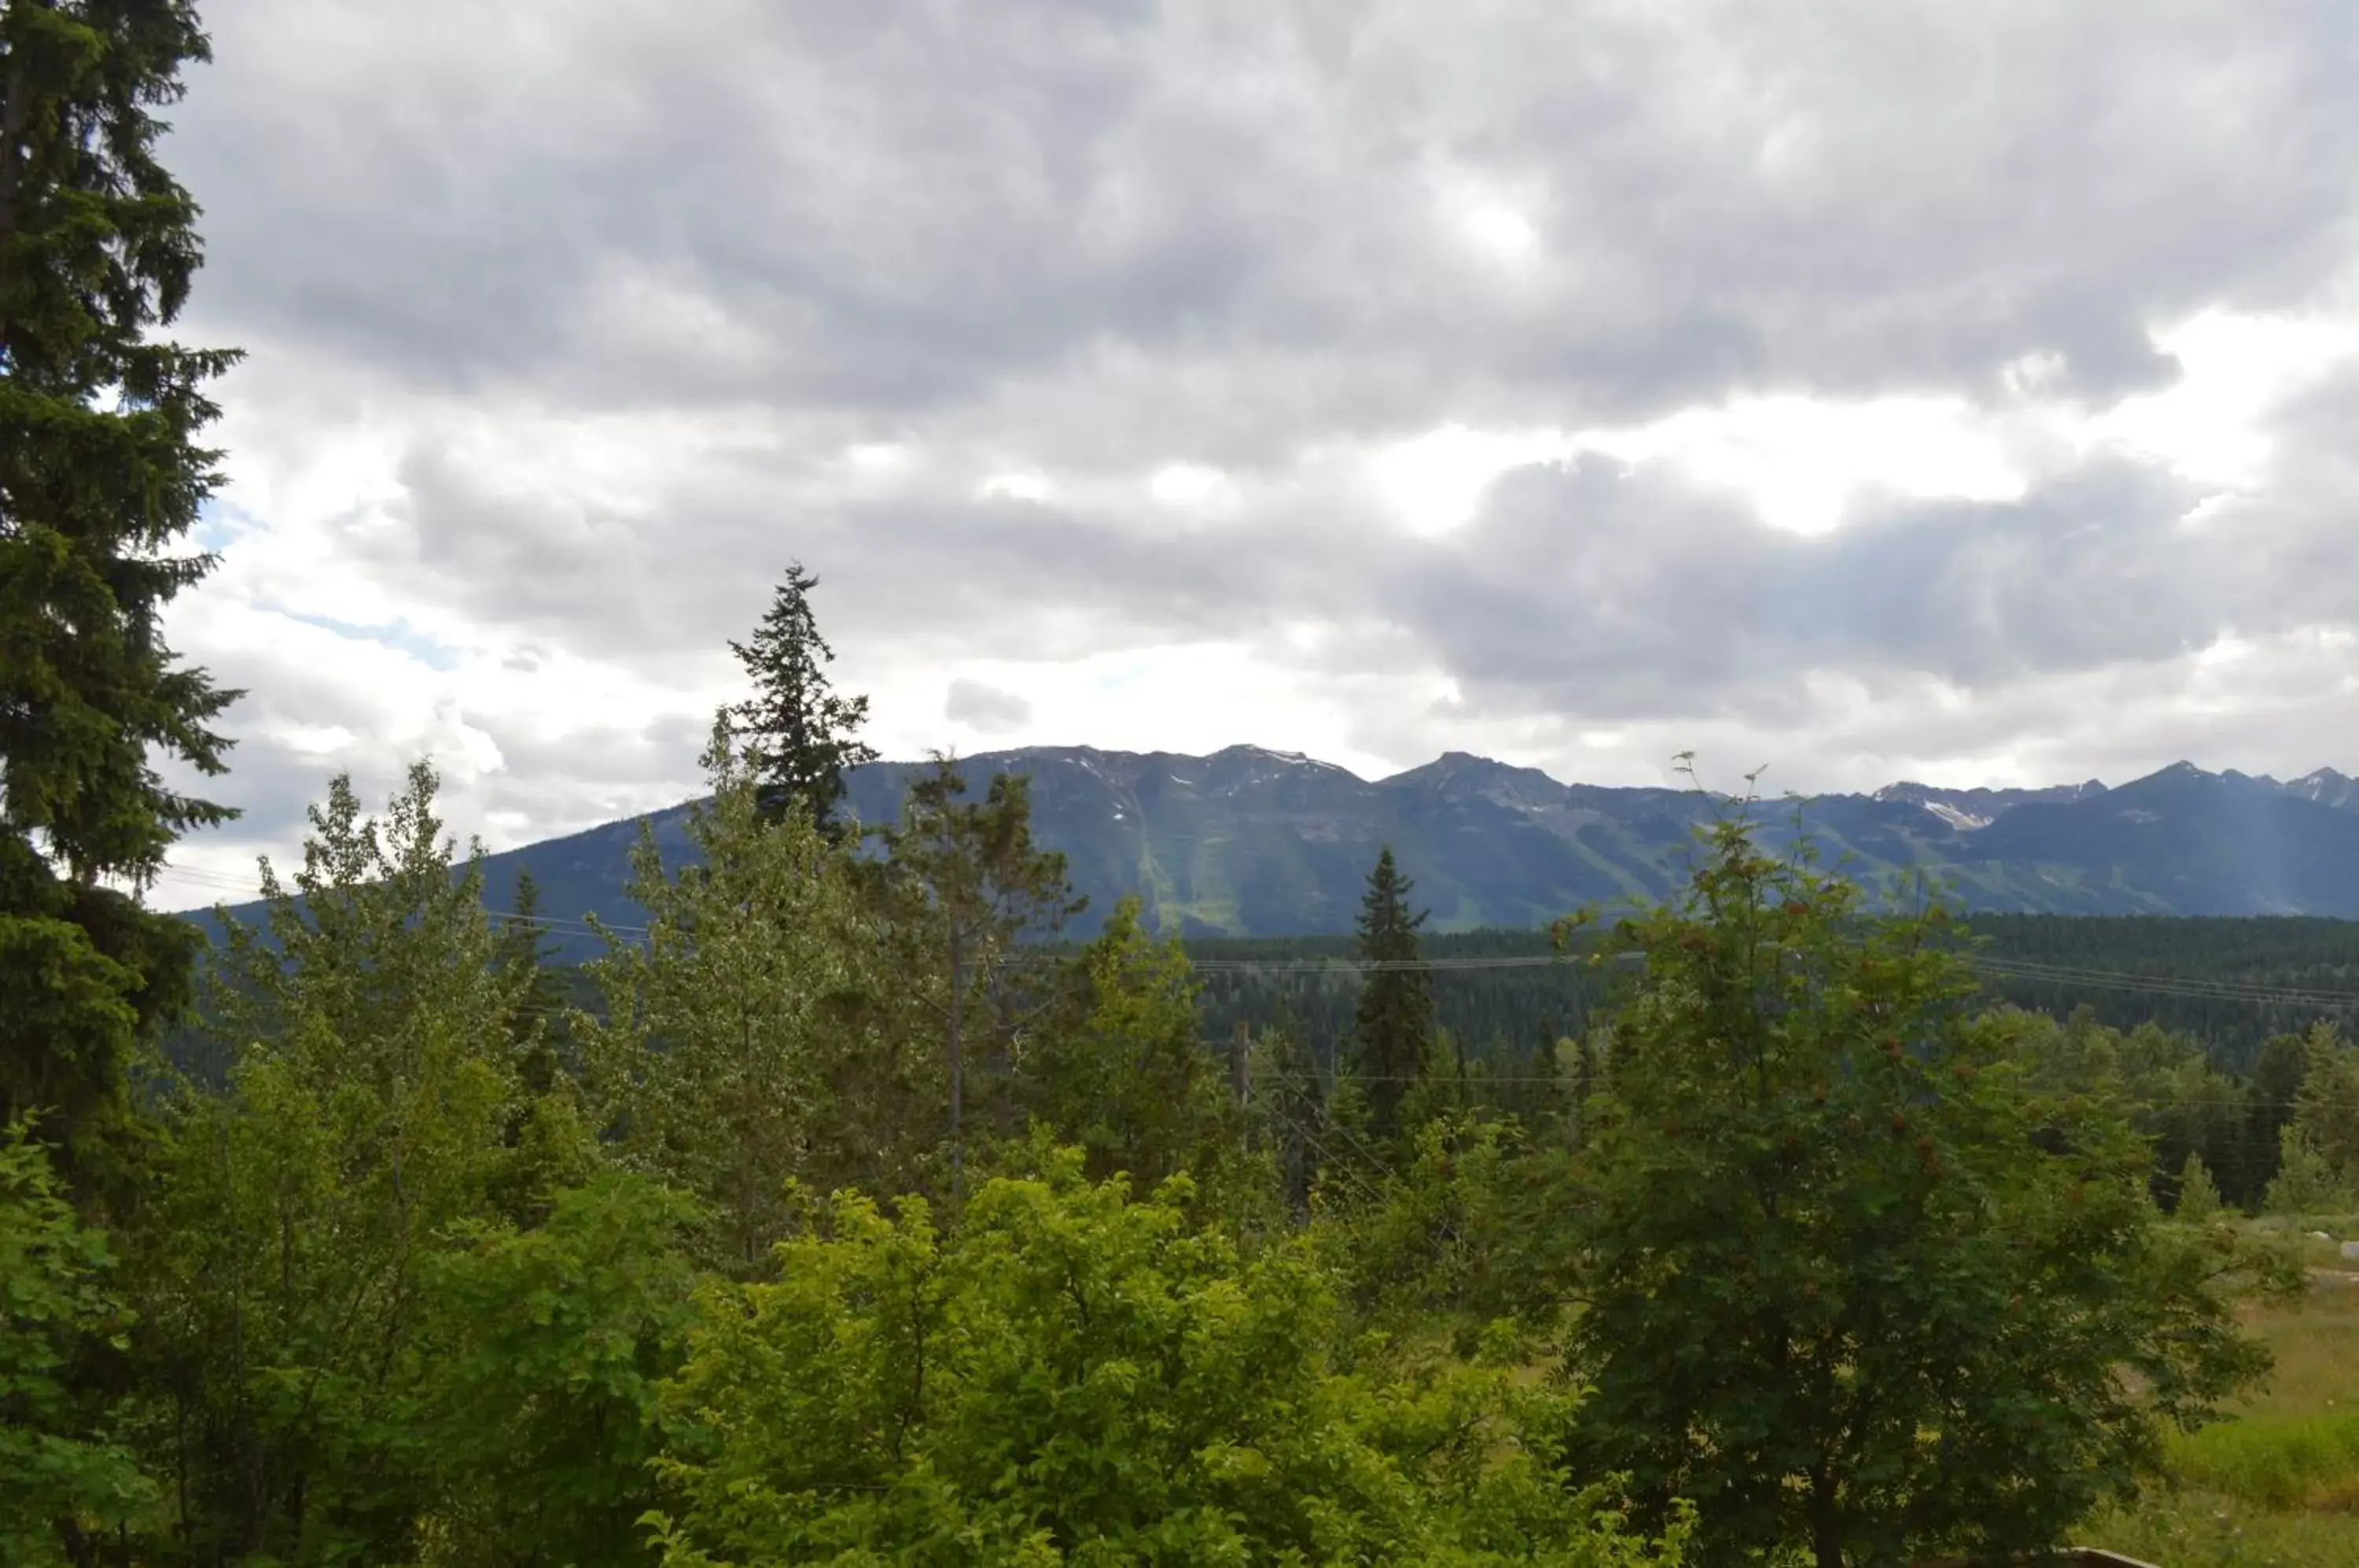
x=2229 y=982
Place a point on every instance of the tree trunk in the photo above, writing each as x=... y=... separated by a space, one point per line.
x=14 y=105
x=1826 y=1520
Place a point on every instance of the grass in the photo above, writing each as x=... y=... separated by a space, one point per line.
x=2208 y=1530
x=2278 y=1462
x=2279 y=1486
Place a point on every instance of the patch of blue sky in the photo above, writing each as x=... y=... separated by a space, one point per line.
x=219 y=525
x=394 y=634
x=1127 y=677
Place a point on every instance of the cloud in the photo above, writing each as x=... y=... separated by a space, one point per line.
x=917 y=213
x=1926 y=388
x=986 y=709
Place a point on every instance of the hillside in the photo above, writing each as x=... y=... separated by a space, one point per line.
x=1247 y=842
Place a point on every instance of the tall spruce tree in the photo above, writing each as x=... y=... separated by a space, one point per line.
x=1396 y=1013
x=99 y=475
x=527 y=955
x=963 y=885
x=798 y=735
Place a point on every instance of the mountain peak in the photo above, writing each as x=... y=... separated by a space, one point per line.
x=1255 y=840
x=2328 y=788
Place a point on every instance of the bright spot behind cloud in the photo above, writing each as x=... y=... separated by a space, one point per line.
x=2234 y=370
x=1435 y=480
x=1802 y=460
x=1016 y=486
x=1188 y=486
x=1501 y=230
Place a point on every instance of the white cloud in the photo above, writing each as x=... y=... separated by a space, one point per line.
x=1576 y=383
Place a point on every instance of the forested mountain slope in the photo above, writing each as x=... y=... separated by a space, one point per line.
x=1247 y=842
x=2229 y=982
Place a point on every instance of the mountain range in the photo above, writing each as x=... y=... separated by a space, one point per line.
x=1248 y=842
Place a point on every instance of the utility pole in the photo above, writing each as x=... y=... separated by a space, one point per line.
x=1238 y=1044
x=958 y=1073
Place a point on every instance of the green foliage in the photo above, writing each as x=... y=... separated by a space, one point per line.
x=1467 y=1235
x=2276 y=1092
x=961 y=883
x=2193 y=1528
x=70 y=1020
x=2060 y=964
x=2276 y=1462
x=1117 y=1069
x=2199 y=1195
x=1075 y=1376
x=1286 y=1114
x=542 y=1358
x=1847 y=1282
x=757 y=1034
x=538 y=1025
x=2174 y=1096
x=2318 y=1161
x=99 y=476
x=99 y=471
x=65 y=1475
x=366 y=1118
x=2326 y=1109
x=1395 y=1036
x=797 y=733
x=2228 y=1106
x=379 y=958
x=2307 y=1183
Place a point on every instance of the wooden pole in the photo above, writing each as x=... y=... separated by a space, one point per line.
x=1238 y=1045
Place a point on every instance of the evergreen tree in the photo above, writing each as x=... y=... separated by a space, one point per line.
x=2273 y=1093
x=2199 y=1195
x=525 y=954
x=798 y=733
x=962 y=885
x=100 y=474
x=1118 y=1070
x=2307 y=1181
x=1396 y=1012
x=751 y=1037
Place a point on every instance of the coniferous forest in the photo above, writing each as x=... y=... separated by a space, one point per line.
x=849 y=1214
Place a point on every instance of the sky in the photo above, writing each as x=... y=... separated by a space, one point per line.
x=1866 y=390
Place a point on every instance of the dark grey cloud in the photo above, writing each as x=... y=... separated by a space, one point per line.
x=918 y=211
x=932 y=569
x=1604 y=592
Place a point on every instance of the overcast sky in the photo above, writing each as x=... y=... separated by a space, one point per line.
x=1870 y=390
